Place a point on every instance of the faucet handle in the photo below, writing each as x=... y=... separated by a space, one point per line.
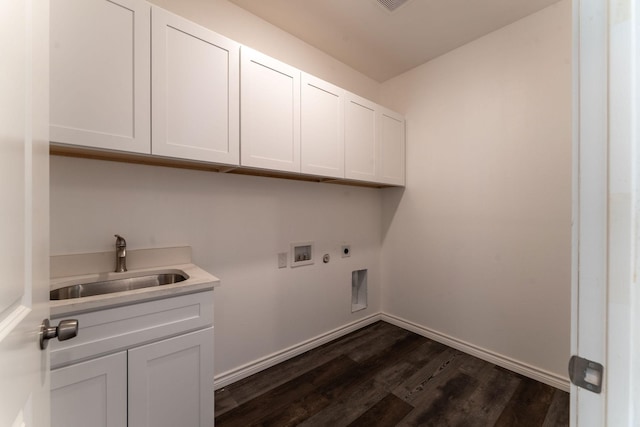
x=120 y=242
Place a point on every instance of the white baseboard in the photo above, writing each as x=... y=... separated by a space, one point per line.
x=251 y=368
x=529 y=371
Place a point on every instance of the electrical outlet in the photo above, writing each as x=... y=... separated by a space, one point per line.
x=282 y=260
x=346 y=251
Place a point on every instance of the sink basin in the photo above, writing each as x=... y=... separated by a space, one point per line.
x=116 y=285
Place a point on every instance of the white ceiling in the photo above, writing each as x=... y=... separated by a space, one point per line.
x=382 y=44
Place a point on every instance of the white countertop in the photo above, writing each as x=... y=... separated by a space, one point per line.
x=142 y=263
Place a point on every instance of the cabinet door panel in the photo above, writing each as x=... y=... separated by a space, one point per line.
x=361 y=148
x=100 y=94
x=90 y=393
x=195 y=91
x=270 y=110
x=322 y=128
x=392 y=147
x=171 y=382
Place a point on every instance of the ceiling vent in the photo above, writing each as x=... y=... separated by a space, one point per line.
x=391 y=5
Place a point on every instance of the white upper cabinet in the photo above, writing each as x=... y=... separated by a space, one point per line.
x=374 y=142
x=361 y=142
x=131 y=77
x=322 y=128
x=270 y=111
x=100 y=74
x=195 y=91
x=391 y=133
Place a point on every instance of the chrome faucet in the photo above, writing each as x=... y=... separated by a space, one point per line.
x=121 y=254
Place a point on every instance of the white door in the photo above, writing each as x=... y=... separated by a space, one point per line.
x=606 y=214
x=195 y=91
x=24 y=211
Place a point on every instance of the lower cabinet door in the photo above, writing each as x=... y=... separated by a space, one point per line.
x=92 y=393
x=171 y=382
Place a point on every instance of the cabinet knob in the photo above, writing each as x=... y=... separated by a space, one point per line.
x=65 y=330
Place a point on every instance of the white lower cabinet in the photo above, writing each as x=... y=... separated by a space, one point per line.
x=145 y=364
x=171 y=382
x=90 y=393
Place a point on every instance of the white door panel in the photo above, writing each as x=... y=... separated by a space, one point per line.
x=270 y=111
x=361 y=139
x=171 y=382
x=100 y=90
x=322 y=128
x=195 y=91
x=94 y=390
x=392 y=146
x=24 y=186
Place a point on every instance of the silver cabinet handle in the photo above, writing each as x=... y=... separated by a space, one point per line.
x=65 y=330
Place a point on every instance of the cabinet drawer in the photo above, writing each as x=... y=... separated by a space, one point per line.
x=113 y=329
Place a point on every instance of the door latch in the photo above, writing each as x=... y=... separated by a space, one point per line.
x=586 y=374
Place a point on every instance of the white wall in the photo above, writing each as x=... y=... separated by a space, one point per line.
x=236 y=226
x=478 y=246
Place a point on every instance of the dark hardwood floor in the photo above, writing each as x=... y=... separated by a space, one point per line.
x=383 y=375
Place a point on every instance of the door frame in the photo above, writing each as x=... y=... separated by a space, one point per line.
x=605 y=301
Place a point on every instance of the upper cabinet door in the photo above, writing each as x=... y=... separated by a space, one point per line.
x=391 y=133
x=100 y=72
x=195 y=90
x=361 y=142
x=270 y=110
x=322 y=128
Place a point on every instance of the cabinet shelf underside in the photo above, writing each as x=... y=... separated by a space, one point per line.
x=147 y=159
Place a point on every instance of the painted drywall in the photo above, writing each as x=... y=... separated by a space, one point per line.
x=236 y=226
x=478 y=245
x=237 y=24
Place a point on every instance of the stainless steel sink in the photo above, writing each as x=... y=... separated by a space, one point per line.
x=116 y=285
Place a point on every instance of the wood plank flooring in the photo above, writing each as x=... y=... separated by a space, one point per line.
x=383 y=375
